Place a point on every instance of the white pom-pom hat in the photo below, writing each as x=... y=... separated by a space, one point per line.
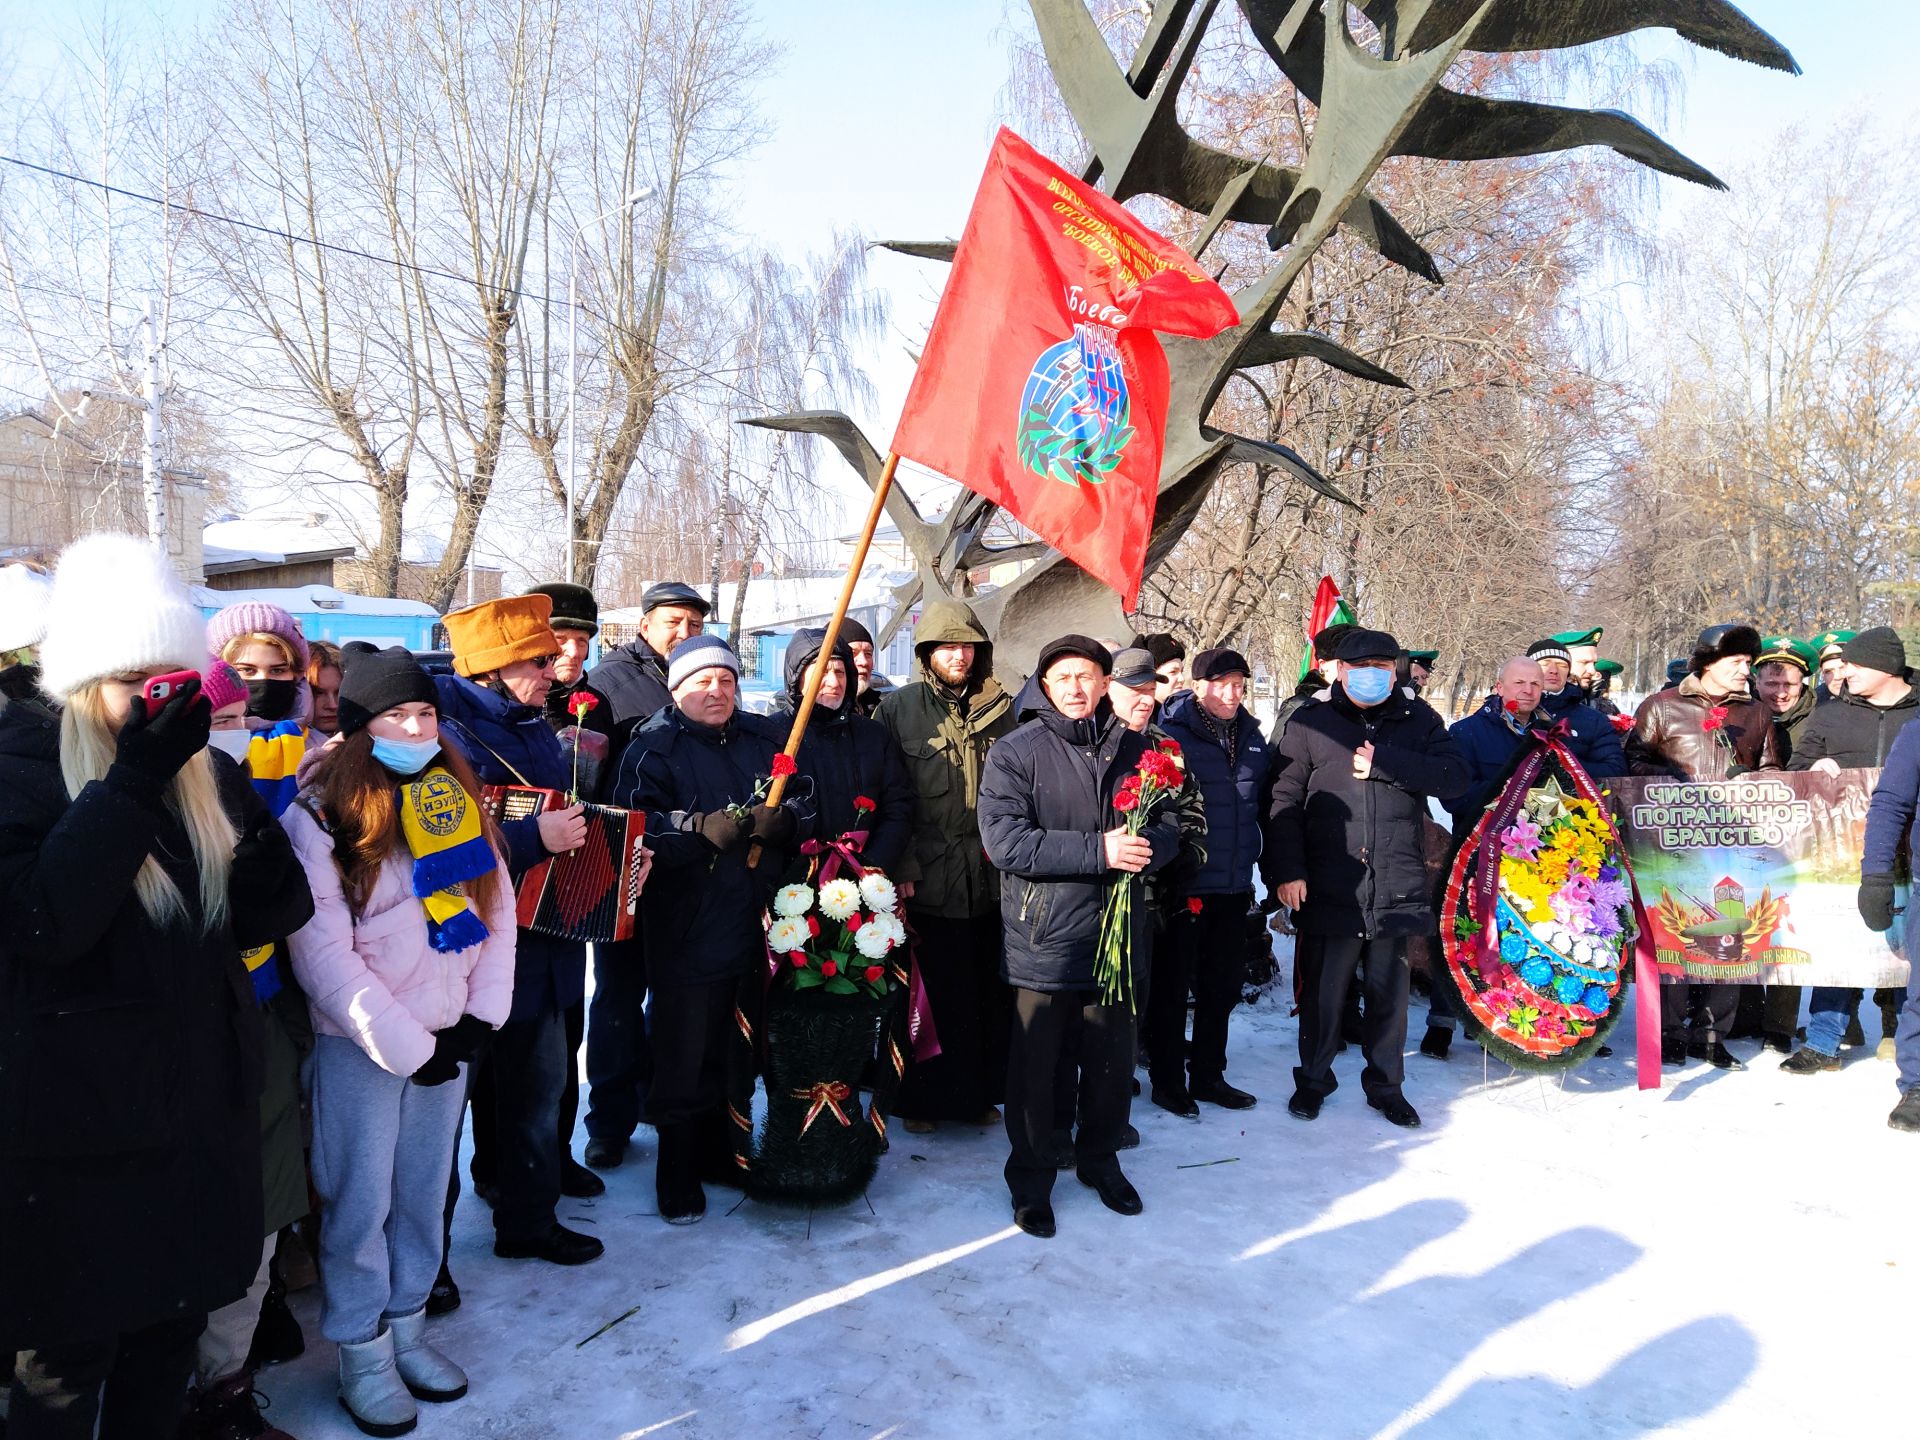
x=23 y=607
x=117 y=607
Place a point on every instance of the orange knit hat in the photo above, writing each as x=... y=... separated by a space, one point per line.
x=484 y=637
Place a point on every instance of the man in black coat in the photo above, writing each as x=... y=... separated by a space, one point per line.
x=630 y=682
x=1348 y=808
x=849 y=757
x=690 y=767
x=1049 y=824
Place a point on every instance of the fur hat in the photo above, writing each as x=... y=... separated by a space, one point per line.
x=117 y=607
x=257 y=617
x=574 y=607
x=1163 y=645
x=1717 y=642
x=23 y=607
x=221 y=683
x=486 y=636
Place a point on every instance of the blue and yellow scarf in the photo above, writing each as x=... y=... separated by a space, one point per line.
x=441 y=822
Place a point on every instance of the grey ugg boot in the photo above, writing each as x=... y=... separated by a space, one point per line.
x=371 y=1391
x=430 y=1375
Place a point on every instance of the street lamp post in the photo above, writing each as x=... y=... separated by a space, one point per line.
x=625 y=207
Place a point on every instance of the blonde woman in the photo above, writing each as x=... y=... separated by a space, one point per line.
x=135 y=868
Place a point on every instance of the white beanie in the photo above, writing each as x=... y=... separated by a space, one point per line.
x=117 y=607
x=23 y=607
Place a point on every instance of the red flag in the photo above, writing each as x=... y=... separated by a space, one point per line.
x=1329 y=608
x=1042 y=386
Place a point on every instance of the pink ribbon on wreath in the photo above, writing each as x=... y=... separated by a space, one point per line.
x=835 y=853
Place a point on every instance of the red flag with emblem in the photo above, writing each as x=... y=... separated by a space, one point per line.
x=1042 y=386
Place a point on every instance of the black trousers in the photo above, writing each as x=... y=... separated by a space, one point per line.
x=693 y=1031
x=1206 y=952
x=619 y=1056
x=1691 y=1011
x=1042 y=1023
x=135 y=1384
x=1780 y=1010
x=485 y=1098
x=1326 y=964
x=960 y=965
x=529 y=1062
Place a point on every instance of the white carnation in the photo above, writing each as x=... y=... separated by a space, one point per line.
x=872 y=939
x=839 y=899
x=793 y=900
x=878 y=892
x=787 y=934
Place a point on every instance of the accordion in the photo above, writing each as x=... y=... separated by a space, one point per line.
x=590 y=893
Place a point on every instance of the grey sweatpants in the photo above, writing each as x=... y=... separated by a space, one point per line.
x=382 y=1147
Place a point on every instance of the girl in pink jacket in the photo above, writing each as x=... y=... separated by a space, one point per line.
x=408 y=966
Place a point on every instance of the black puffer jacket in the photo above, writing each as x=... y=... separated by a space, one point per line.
x=630 y=682
x=848 y=756
x=1357 y=843
x=1853 y=733
x=130 y=1056
x=1046 y=801
x=1235 y=792
x=700 y=913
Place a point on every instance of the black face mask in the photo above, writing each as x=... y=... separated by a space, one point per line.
x=271 y=699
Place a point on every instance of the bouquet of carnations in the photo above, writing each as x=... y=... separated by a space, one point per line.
x=840 y=937
x=1159 y=776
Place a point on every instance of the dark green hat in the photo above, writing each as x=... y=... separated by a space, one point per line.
x=1832 y=642
x=1609 y=667
x=1787 y=650
x=1581 y=637
x=1423 y=657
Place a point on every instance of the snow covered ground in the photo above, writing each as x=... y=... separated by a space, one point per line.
x=1733 y=1256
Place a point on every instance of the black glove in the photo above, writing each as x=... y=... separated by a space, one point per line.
x=1876 y=901
x=773 y=825
x=458 y=1042
x=151 y=749
x=1269 y=903
x=719 y=829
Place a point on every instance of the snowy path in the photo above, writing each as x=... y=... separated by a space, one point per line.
x=1735 y=1255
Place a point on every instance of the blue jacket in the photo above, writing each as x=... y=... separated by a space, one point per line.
x=701 y=911
x=1235 y=794
x=1890 y=819
x=1489 y=744
x=511 y=744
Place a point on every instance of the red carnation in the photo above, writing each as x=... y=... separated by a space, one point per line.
x=1513 y=707
x=1622 y=723
x=1126 y=800
x=864 y=804
x=1193 y=904
x=799 y=959
x=829 y=969
x=1168 y=746
x=813 y=925
x=783 y=765
x=580 y=702
x=1716 y=717
x=855 y=921
x=874 y=972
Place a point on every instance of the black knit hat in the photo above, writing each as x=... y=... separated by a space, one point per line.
x=1358 y=644
x=852 y=632
x=1080 y=645
x=373 y=681
x=1549 y=650
x=574 y=607
x=1879 y=648
x=1163 y=645
x=1326 y=644
x=1717 y=642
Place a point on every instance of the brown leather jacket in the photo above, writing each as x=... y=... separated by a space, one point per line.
x=1671 y=736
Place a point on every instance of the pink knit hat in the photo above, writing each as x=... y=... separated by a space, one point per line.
x=251 y=616
x=221 y=684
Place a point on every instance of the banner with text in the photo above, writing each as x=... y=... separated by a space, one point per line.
x=1752 y=881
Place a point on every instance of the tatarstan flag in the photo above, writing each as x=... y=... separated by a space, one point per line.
x=1042 y=386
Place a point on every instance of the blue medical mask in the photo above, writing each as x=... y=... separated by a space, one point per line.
x=405 y=757
x=1368 y=687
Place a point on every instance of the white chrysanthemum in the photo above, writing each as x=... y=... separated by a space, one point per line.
x=896 y=932
x=873 y=939
x=787 y=934
x=839 y=899
x=793 y=900
x=878 y=892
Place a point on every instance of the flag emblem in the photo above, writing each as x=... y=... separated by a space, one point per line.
x=1074 y=412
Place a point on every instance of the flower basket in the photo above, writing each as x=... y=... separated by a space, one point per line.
x=818 y=1144
x=1538 y=918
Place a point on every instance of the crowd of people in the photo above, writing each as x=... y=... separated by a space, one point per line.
x=262 y=959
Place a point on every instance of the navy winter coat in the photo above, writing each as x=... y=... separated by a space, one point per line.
x=1896 y=800
x=848 y=756
x=1488 y=744
x=630 y=682
x=508 y=743
x=1235 y=794
x=1046 y=801
x=701 y=911
x=1359 y=844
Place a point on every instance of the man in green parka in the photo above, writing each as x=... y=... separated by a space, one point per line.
x=944 y=723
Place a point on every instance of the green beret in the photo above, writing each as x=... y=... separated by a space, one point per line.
x=1423 y=657
x=1580 y=637
x=1609 y=667
x=1833 y=640
x=1786 y=650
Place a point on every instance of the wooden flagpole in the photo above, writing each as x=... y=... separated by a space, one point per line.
x=817 y=672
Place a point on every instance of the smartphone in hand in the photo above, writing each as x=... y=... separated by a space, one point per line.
x=159 y=689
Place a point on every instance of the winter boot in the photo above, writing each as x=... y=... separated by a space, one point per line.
x=1855 y=1036
x=1885 y=1050
x=294 y=1254
x=371 y=1390
x=577 y=1182
x=1808 y=1061
x=1906 y=1115
x=444 y=1298
x=228 y=1411
x=276 y=1336
x=676 y=1176
x=1436 y=1041
x=428 y=1374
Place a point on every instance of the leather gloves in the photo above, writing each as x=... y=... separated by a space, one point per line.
x=719 y=829
x=773 y=825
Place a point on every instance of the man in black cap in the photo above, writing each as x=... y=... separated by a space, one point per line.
x=630 y=682
x=1346 y=832
x=1228 y=757
x=873 y=686
x=1050 y=826
x=1169 y=662
x=1314 y=685
x=576 y=620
